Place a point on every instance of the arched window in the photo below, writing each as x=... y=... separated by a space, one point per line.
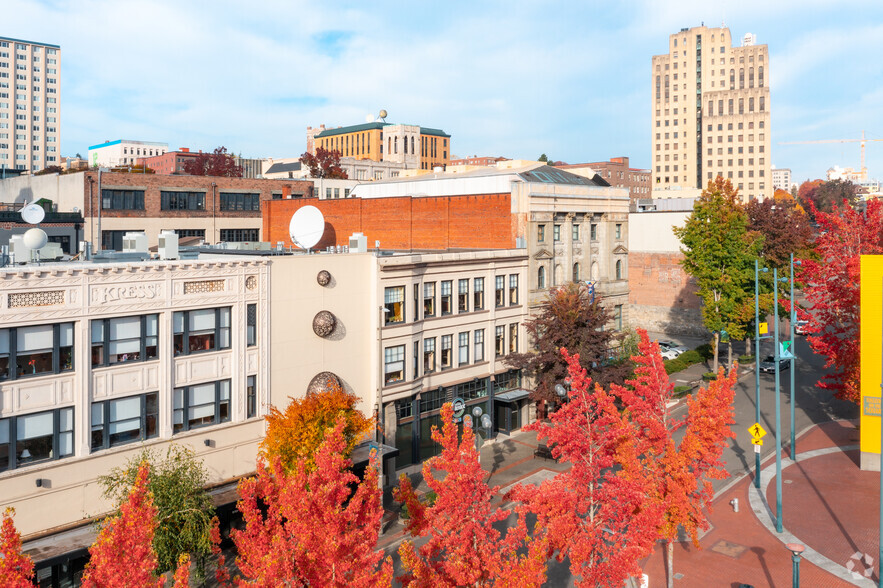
x=405 y=145
x=619 y=269
x=576 y=272
x=559 y=274
x=541 y=278
x=395 y=144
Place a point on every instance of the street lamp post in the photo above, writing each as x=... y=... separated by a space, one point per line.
x=483 y=420
x=776 y=359
x=793 y=359
x=757 y=366
x=796 y=549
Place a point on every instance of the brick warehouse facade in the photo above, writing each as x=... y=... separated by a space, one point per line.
x=404 y=223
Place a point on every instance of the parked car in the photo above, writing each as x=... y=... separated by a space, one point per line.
x=768 y=364
x=800 y=327
x=671 y=346
x=668 y=353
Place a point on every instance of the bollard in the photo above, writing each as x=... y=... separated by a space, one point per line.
x=735 y=503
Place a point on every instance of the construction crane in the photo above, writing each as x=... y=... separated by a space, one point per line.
x=863 y=170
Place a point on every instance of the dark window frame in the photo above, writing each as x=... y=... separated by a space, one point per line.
x=447 y=299
x=143 y=429
x=217 y=417
x=12 y=441
x=239 y=201
x=106 y=340
x=181 y=200
x=9 y=369
x=251 y=325
x=239 y=235
x=251 y=396
x=113 y=199
x=477 y=294
x=185 y=332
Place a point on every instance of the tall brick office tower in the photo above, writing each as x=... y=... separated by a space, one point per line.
x=711 y=112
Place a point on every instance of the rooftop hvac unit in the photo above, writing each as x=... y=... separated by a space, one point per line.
x=358 y=243
x=135 y=242
x=168 y=245
x=19 y=252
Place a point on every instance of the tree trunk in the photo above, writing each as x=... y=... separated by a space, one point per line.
x=748 y=345
x=716 y=345
x=730 y=354
x=670 y=562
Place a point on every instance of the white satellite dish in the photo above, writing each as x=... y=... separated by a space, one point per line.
x=306 y=227
x=33 y=214
x=35 y=239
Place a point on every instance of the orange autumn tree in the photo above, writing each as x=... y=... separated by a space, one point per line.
x=16 y=569
x=294 y=435
x=123 y=554
x=308 y=528
x=682 y=471
x=464 y=548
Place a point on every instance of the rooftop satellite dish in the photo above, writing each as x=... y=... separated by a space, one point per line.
x=306 y=227
x=33 y=214
x=369 y=118
x=383 y=113
x=35 y=239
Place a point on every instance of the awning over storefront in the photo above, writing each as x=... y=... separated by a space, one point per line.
x=512 y=395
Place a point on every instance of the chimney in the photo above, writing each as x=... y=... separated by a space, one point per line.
x=286 y=192
x=184 y=149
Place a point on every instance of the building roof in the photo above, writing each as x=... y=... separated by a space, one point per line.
x=31 y=42
x=551 y=175
x=118 y=141
x=278 y=168
x=373 y=126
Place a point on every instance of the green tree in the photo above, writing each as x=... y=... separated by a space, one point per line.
x=543 y=158
x=184 y=511
x=719 y=252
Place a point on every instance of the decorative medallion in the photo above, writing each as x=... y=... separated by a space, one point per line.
x=251 y=282
x=322 y=381
x=323 y=277
x=323 y=323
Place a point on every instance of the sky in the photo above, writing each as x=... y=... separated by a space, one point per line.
x=503 y=78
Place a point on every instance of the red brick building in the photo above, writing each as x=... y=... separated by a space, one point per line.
x=171 y=162
x=476 y=160
x=403 y=223
x=617 y=173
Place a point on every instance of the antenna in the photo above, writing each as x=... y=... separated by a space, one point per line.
x=33 y=214
x=306 y=227
x=36 y=238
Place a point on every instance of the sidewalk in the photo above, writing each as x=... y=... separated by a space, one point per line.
x=829 y=505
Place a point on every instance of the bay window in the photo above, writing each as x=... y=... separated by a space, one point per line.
x=428 y=299
x=394 y=364
x=446 y=295
x=394 y=303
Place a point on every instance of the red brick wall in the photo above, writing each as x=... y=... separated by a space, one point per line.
x=479 y=221
x=153 y=184
x=657 y=279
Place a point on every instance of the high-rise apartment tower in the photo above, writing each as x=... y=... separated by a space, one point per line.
x=711 y=112
x=30 y=104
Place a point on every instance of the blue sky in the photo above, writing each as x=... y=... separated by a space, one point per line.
x=510 y=78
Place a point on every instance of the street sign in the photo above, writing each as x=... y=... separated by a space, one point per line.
x=757 y=449
x=764 y=328
x=785 y=350
x=756 y=441
x=756 y=431
x=459 y=406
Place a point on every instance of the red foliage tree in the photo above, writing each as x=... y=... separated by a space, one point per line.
x=463 y=547
x=832 y=289
x=784 y=226
x=16 y=569
x=324 y=164
x=315 y=530
x=682 y=471
x=123 y=555
x=601 y=513
x=219 y=163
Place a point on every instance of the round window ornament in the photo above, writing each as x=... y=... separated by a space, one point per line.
x=323 y=381
x=323 y=277
x=251 y=282
x=323 y=323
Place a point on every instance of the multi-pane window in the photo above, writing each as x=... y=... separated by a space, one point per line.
x=513 y=289
x=513 y=338
x=394 y=304
x=593 y=231
x=428 y=299
x=394 y=364
x=196 y=331
x=447 y=351
x=617 y=317
x=35 y=438
x=541 y=278
x=446 y=296
x=130 y=338
x=38 y=350
x=618 y=231
x=236 y=201
x=429 y=355
x=240 y=235
x=500 y=341
x=574 y=232
x=122 y=199
x=500 y=291
x=124 y=420
x=463 y=348
x=478 y=294
x=174 y=200
x=556 y=232
x=541 y=233
x=251 y=325
x=190 y=233
x=619 y=269
x=478 y=345
x=251 y=397
x=200 y=405
x=463 y=296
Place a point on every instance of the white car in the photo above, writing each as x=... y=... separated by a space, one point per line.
x=671 y=346
x=668 y=353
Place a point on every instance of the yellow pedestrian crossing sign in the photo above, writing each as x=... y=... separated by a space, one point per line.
x=757 y=432
x=756 y=441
